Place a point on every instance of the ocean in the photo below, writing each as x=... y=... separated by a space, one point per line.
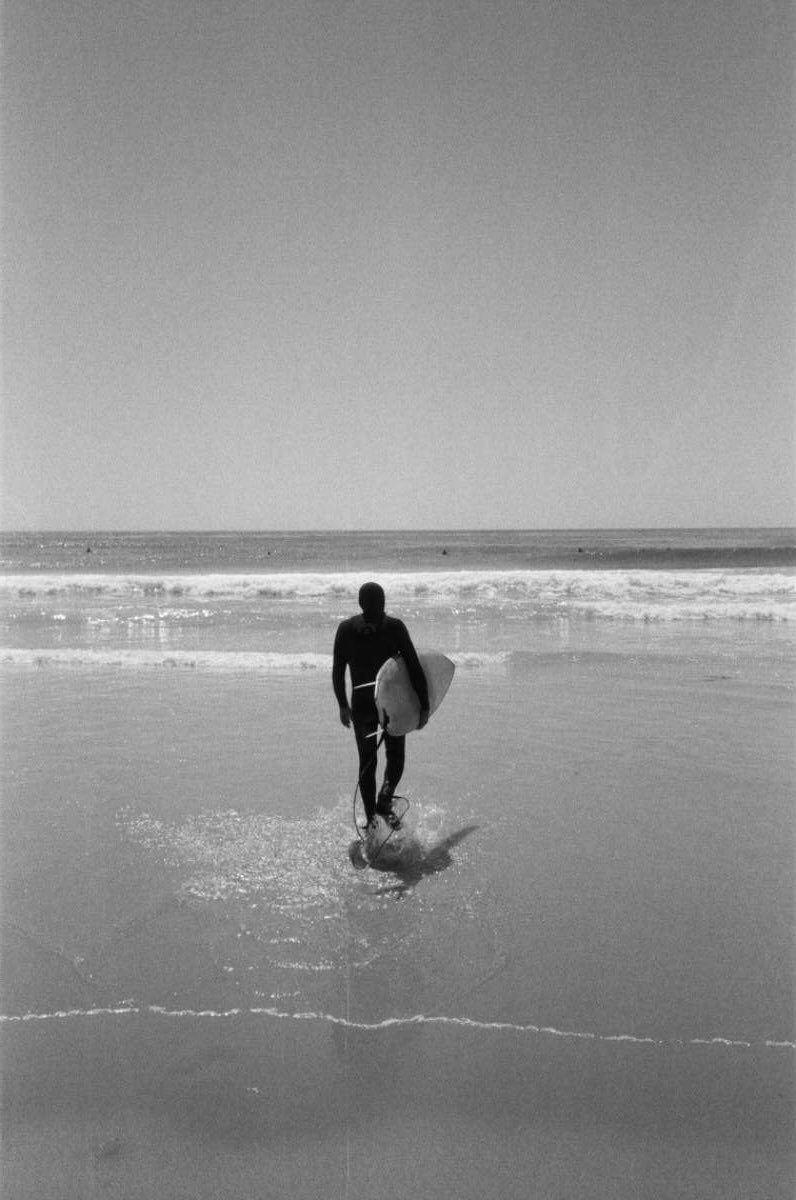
x=572 y=976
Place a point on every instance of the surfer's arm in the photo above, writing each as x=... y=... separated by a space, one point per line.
x=417 y=676
x=338 y=678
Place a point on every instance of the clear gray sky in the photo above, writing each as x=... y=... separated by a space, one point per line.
x=397 y=263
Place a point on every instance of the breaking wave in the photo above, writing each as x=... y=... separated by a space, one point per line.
x=641 y=595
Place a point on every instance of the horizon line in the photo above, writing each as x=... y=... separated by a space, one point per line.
x=293 y=530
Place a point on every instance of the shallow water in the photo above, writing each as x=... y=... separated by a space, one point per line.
x=607 y=856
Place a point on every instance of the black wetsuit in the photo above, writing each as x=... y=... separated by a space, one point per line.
x=363 y=648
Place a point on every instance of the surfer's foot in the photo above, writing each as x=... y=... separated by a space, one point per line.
x=388 y=816
x=384 y=804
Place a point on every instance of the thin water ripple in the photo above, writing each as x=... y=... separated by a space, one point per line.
x=156 y=1010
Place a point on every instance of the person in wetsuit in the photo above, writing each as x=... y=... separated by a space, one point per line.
x=363 y=643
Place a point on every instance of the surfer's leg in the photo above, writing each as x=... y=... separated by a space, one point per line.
x=366 y=746
x=394 y=769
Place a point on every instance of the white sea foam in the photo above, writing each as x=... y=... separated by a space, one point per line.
x=231 y=661
x=460 y=1022
x=638 y=595
x=209 y=660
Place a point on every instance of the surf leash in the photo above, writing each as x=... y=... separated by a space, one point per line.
x=358 y=789
x=358 y=786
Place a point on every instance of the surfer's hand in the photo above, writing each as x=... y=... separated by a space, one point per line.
x=423 y=719
x=345 y=716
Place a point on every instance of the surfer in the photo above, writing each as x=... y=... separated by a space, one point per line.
x=363 y=643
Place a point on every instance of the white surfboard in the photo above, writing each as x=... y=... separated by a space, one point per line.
x=396 y=699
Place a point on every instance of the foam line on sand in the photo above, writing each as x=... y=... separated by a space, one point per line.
x=156 y=1010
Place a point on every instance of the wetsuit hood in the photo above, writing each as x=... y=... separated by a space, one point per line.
x=372 y=602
